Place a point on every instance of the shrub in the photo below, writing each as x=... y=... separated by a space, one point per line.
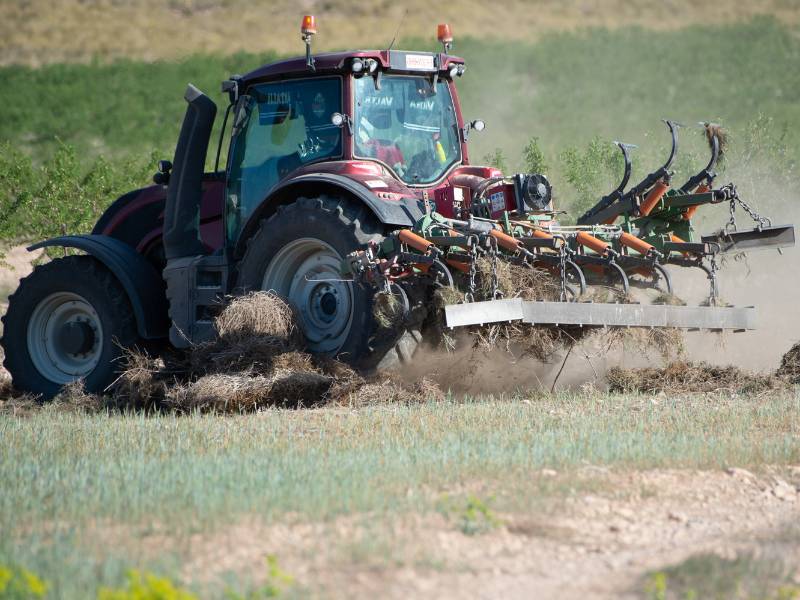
x=63 y=195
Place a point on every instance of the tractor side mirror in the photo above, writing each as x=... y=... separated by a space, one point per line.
x=164 y=170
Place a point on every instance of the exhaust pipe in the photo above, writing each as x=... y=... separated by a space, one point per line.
x=182 y=212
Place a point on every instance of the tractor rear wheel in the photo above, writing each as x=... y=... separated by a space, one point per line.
x=297 y=253
x=69 y=319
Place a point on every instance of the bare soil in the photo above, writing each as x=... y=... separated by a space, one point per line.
x=599 y=545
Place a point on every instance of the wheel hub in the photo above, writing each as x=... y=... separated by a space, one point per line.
x=325 y=302
x=76 y=337
x=65 y=337
x=307 y=273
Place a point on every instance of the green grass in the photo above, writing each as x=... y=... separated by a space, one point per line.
x=66 y=477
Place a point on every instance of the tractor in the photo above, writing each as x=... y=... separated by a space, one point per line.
x=347 y=177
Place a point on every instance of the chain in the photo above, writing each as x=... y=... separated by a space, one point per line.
x=712 y=277
x=731 y=192
x=496 y=293
x=731 y=224
x=473 y=250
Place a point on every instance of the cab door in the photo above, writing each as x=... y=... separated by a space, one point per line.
x=278 y=128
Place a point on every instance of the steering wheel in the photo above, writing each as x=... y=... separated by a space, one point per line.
x=422 y=165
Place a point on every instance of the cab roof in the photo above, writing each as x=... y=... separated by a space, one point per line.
x=399 y=61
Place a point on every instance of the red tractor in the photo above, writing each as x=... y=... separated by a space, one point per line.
x=347 y=174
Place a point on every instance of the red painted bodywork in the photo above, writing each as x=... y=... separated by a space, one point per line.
x=137 y=218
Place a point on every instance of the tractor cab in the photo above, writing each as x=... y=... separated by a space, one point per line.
x=397 y=111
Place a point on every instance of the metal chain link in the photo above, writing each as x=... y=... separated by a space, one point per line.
x=496 y=293
x=731 y=192
x=473 y=250
x=563 y=274
x=712 y=276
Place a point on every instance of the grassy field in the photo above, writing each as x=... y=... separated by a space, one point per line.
x=87 y=497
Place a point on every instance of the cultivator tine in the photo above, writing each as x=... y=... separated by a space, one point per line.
x=706 y=176
x=606 y=202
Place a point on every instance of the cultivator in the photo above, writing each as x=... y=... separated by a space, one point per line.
x=587 y=270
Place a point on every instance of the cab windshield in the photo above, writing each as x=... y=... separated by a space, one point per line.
x=406 y=126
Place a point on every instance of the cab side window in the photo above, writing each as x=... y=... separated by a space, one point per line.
x=278 y=128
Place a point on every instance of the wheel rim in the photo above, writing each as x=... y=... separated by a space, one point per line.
x=65 y=337
x=308 y=273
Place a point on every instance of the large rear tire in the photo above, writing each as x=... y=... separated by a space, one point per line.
x=69 y=319
x=297 y=253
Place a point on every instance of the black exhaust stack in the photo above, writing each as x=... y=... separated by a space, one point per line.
x=182 y=212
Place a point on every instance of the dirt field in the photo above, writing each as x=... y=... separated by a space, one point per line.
x=599 y=544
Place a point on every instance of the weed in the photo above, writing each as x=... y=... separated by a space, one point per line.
x=17 y=583
x=473 y=515
x=276 y=583
x=145 y=586
x=656 y=586
x=477 y=517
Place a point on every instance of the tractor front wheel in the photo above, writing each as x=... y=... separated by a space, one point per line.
x=68 y=320
x=297 y=253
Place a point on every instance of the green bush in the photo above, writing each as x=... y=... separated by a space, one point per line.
x=65 y=195
x=592 y=172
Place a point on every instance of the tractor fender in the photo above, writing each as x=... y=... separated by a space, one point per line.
x=400 y=213
x=142 y=283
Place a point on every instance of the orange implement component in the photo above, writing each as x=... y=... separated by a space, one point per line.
x=653 y=198
x=458 y=265
x=675 y=239
x=701 y=189
x=631 y=241
x=504 y=240
x=585 y=239
x=409 y=238
x=542 y=235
